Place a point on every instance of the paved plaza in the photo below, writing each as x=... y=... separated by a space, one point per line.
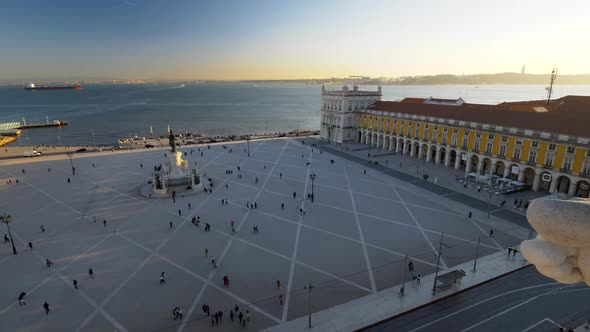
x=349 y=243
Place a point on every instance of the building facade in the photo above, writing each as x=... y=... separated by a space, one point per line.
x=544 y=145
x=340 y=109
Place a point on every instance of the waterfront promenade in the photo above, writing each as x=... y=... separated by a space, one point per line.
x=349 y=243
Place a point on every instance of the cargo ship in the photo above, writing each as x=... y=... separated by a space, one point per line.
x=32 y=86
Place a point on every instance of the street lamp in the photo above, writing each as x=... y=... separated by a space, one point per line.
x=438 y=262
x=248 y=140
x=312 y=177
x=71 y=163
x=308 y=288
x=6 y=218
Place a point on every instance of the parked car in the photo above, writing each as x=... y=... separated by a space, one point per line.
x=81 y=150
x=149 y=146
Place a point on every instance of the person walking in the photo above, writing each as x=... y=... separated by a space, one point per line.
x=21 y=298
x=42 y=229
x=411 y=266
x=75 y=282
x=46 y=307
x=418 y=279
x=509 y=250
x=30 y=245
x=48 y=262
x=6 y=238
x=178 y=314
x=282 y=206
x=231 y=315
x=213 y=262
x=91 y=273
x=104 y=222
x=204 y=308
x=278 y=284
x=469 y=215
x=171 y=224
x=281 y=299
x=216 y=318
x=225 y=281
x=179 y=213
x=189 y=206
x=491 y=233
x=68 y=180
x=206 y=252
x=241 y=317
x=162 y=279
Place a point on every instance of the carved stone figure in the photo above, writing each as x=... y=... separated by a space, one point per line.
x=561 y=251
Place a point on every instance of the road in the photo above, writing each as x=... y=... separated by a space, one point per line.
x=521 y=301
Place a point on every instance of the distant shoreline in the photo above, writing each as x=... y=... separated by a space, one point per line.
x=441 y=79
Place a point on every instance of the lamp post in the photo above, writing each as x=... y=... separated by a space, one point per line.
x=6 y=218
x=438 y=262
x=309 y=287
x=72 y=163
x=312 y=177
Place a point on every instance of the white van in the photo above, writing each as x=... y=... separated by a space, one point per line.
x=33 y=153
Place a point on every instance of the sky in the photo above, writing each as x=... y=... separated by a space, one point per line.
x=280 y=39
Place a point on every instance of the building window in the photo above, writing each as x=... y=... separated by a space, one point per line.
x=478 y=134
x=588 y=153
x=464 y=143
x=466 y=133
x=454 y=141
x=571 y=149
x=535 y=144
x=504 y=138
x=490 y=136
x=489 y=147
x=455 y=130
x=516 y=154
x=567 y=164
x=436 y=127
x=518 y=142
x=502 y=151
x=551 y=147
x=445 y=129
x=549 y=160
x=532 y=156
x=426 y=126
x=586 y=168
x=476 y=146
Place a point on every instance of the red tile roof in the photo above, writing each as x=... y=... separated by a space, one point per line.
x=567 y=115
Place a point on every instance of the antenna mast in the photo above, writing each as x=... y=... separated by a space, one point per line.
x=550 y=88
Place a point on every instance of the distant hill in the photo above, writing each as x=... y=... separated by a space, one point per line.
x=446 y=79
x=502 y=78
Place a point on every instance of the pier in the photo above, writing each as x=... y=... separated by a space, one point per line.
x=56 y=123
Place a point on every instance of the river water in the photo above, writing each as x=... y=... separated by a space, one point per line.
x=101 y=114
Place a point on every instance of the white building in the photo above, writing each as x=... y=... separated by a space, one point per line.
x=340 y=109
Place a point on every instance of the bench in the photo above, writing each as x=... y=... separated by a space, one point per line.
x=449 y=279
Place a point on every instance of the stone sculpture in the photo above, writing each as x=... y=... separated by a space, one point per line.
x=561 y=251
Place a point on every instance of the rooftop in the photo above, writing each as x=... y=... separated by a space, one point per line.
x=567 y=115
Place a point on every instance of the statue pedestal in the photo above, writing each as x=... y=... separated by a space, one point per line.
x=176 y=176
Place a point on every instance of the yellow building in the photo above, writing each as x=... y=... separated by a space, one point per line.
x=545 y=146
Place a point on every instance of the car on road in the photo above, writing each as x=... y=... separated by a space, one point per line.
x=149 y=146
x=33 y=153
